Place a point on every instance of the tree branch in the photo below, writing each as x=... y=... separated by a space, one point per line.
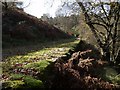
x=88 y=21
x=99 y=24
x=115 y=30
x=105 y=12
x=102 y=20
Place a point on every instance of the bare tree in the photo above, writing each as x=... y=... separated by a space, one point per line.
x=107 y=16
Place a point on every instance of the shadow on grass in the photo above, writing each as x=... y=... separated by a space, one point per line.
x=33 y=46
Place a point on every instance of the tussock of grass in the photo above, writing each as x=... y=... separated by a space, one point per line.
x=40 y=66
x=12 y=84
x=19 y=81
x=30 y=82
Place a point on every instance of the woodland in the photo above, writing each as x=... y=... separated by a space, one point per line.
x=76 y=49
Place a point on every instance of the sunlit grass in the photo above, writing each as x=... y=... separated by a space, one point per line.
x=37 y=59
x=40 y=65
x=13 y=84
x=43 y=53
x=35 y=48
x=19 y=81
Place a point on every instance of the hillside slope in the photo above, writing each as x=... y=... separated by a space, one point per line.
x=19 y=25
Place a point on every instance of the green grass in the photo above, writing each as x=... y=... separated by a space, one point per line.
x=40 y=65
x=108 y=73
x=37 y=56
x=112 y=75
x=36 y=47
x=12 y=84
x=19 y=81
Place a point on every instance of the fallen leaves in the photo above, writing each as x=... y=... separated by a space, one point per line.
x=31 y=72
